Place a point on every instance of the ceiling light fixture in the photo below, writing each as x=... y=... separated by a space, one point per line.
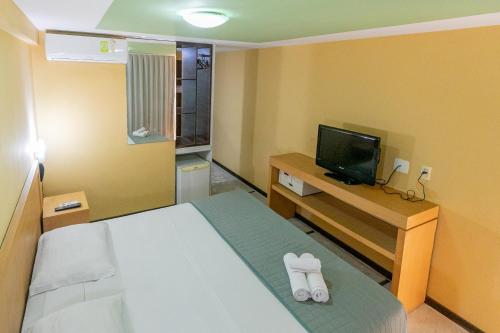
x=205 y=18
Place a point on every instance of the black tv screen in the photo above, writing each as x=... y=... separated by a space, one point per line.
x=350 y=157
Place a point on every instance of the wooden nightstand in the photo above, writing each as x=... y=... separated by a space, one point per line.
x=53 y=219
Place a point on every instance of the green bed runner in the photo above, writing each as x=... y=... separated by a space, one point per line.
x=261 y=238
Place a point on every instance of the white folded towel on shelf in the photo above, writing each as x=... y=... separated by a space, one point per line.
x=316 y=283
x=305 y=265
x=298 y=280
x=141 y=132
x=137 y=131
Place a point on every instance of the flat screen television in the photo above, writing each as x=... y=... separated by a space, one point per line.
x=350 y=157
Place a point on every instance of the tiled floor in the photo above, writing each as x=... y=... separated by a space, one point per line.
x=423 y=320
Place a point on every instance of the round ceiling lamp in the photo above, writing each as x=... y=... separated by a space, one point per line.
x=205 y=18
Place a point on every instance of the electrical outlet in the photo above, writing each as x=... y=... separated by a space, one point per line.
x=405 y=165
x=427 y=169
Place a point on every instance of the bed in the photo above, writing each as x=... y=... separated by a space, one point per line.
x=210 y=267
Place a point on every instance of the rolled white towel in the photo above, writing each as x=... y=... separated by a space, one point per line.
x=305 y=265
x=138 y=131
x=316 y=282
x=298 y=280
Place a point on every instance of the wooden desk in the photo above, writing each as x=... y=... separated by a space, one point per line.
x=53 y=219
x=397 y=234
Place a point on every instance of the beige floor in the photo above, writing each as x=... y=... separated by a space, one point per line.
x=423 y=320
x=427 y=320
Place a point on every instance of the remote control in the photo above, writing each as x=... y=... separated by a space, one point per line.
x=68 y=205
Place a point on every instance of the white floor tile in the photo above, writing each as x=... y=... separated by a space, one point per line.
x=223 y=181
x=427 y=320
x=301 y=225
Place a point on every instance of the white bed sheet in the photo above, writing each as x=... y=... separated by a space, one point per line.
x=178 y=275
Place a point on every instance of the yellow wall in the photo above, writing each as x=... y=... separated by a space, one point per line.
x=82 y=117
x=17 y=126
x=433 y=98
x=233 y=140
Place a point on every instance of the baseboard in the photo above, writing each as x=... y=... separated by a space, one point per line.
x=429 y=301
x=452 y=315
x=240 y=178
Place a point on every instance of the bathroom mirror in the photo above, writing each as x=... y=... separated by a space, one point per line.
x=150 y=92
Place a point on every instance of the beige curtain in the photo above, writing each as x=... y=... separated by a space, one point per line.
x=150 y=94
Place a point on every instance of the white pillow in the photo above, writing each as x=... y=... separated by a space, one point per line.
x=102 y=315
x=70 y=255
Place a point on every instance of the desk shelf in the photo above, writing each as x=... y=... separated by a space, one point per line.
x=366 y=229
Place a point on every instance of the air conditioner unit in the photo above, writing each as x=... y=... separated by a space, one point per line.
x=84 y=48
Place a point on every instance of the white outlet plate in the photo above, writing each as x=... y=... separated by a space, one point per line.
x=427 y=176
x=405 y=165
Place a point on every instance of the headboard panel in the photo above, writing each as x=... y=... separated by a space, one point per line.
x=17 y=253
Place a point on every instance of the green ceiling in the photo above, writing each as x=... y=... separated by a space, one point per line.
x=271 y=20
x=152 y=48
